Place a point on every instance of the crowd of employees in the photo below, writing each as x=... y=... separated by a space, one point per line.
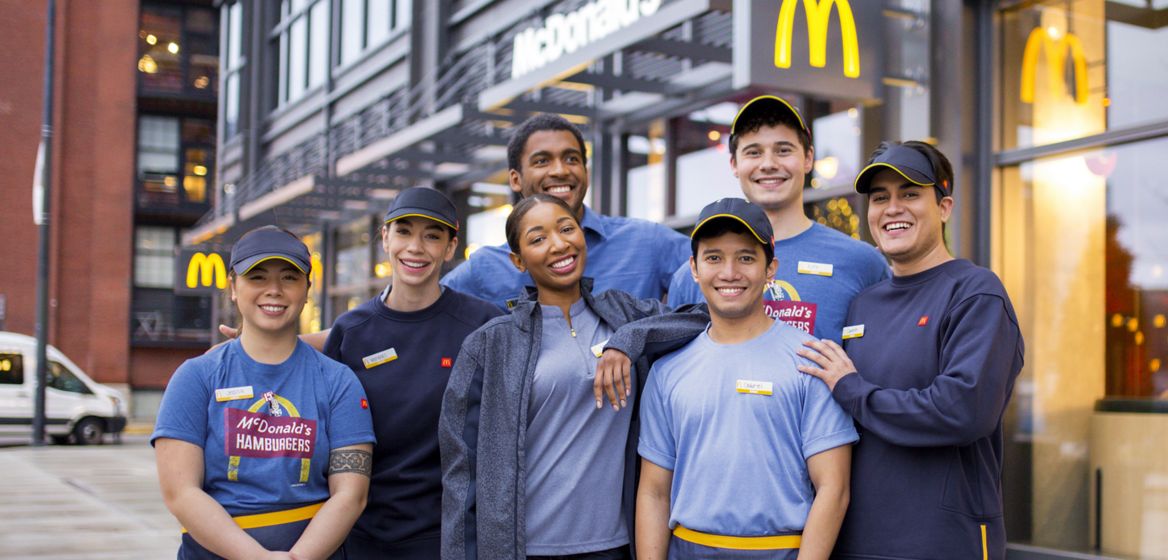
x=602 y=387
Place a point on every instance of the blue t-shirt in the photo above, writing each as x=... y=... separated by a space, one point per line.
x=405 y=386
x=575 y=452
x=266 y=429
x=736 y=424
x=627 y=254
x=820 y=271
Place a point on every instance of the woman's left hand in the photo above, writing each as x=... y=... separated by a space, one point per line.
x=612 y=379
x=833 y=362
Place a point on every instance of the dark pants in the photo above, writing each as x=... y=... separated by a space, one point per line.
x=275 y=537
x=684 y=550
x=618 y=553
x=361 y=547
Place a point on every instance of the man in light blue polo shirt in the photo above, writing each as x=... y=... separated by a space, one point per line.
x=742 y=455
x=546 y=155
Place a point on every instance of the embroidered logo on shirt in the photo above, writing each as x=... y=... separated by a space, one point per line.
x=447 y=362
x=853 y=331
x=383 y=357
x=924 y=320
x=818 y=269
x=364 y=403
x=754 y=387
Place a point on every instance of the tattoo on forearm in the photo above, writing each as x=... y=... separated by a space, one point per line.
x=350 y=461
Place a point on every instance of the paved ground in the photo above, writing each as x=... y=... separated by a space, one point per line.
x=66 y=502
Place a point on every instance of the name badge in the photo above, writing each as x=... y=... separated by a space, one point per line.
x=598 y=349
x=383 y=357
x=818 y=269
x=754 y=387
x=854 y=331
x=234 y=394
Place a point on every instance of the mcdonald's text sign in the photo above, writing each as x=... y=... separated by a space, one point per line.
x=200 y=272
x=825 y=48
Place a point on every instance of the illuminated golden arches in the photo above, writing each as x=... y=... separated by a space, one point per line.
x=818 y=19
x=206 y=270
x=1056 y=51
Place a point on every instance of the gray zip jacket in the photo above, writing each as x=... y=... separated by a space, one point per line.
x=483 y=424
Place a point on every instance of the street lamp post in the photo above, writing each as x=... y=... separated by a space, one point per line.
x=40 y=216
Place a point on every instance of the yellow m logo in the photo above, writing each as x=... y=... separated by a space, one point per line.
x=818 y=18
x=1056 y=50
x=206 y=271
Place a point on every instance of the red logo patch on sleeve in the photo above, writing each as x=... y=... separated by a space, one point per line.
x=924 y=320
x=364 y=403
x=447 y=362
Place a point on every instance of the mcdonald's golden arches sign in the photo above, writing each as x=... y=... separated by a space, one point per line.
x=200 y=272
x=816 y=47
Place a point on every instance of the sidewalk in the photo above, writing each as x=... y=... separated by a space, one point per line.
x=74 y=502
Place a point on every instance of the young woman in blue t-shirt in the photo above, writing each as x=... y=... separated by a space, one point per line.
x=263 y=445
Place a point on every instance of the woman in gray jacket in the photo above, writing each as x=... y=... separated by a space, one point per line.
x=531 y=467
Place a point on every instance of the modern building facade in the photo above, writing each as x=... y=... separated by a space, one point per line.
x=1048 y=109
x=133 y=166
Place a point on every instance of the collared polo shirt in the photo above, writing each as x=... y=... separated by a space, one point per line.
x=628 y=254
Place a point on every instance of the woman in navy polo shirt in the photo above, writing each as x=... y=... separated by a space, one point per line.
x=263 y=444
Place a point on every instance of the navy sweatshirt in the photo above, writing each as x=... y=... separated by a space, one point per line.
x=936 y=364
x=405 y=397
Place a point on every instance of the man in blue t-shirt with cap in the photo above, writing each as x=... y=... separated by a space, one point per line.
x=743 y=456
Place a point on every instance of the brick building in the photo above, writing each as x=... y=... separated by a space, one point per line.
x=135 y=99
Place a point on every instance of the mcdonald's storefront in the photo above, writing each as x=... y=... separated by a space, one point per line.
x=1051 y=111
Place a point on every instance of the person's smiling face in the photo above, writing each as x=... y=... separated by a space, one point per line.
x=553 y=163
x=732 y=272
x=417 y=247
x=270 y=296
x=905 y=219
x=771 y=164
x=551 y=248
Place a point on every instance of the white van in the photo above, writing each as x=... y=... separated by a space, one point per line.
x=77 y=408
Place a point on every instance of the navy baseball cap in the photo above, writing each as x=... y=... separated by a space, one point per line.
x=423 y=202
x=911 y=164
x=267 y=243
x=767 y=104
x=739 y=210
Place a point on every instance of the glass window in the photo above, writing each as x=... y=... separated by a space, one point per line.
x=1080 y=248
x=11 y=368
x=352 y=30
x=178 y=51
x=354 y=253
x=379 y=21
x=160 y=66
x=368 y=23
x=167 y=145
x=906 y=80
x=1078 y=68
x=61 y=379
x=310 y=318
x=158 y=153
x=303 y=44
x=232 y=65
x=154 y=256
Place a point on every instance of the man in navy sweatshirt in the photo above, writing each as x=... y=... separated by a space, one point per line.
x=402 y=345
x=928 y=363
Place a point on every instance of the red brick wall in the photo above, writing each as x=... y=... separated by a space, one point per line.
x=93 y=176
x=153 y=367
